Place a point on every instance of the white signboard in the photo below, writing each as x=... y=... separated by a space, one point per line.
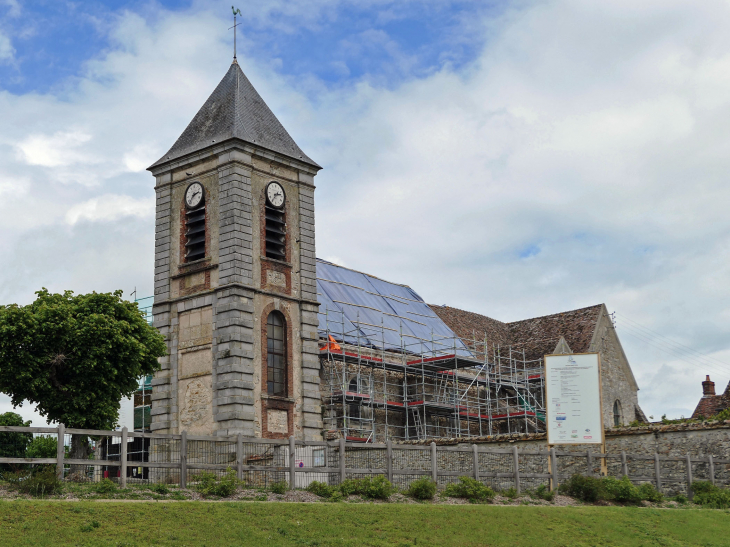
x=573 y=399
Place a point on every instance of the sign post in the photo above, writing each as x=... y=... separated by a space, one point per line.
x=573 y=402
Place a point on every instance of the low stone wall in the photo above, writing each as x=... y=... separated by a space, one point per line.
x=699 y=440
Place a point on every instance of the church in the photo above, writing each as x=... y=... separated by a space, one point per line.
x=266 y=341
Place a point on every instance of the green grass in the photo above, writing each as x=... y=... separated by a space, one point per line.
x=249 y=523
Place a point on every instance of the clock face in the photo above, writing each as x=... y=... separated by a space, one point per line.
x=194 y=195
x=275 y=194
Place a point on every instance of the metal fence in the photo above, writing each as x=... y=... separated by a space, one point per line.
x=132 y=457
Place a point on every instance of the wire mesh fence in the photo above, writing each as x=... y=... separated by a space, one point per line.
x=147 y=458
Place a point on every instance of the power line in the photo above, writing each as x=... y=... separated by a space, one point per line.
x=635 y=333
x=673 y=342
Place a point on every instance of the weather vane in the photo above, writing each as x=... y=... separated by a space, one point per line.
x=235 y=12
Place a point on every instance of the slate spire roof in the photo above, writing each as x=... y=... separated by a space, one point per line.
x=235 y=110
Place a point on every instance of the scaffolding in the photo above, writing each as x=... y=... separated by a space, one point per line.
x=442 y=387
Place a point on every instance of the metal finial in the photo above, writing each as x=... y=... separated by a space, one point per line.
x=235 y=12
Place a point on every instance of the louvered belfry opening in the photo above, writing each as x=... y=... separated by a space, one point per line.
x=195 y=233
x=275 y=233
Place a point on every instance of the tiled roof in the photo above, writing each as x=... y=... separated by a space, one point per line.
x=470 y=326
x=711 y=405
x=537 y=336
x=235 y=110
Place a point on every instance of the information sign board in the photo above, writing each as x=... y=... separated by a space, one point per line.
x=573 y=399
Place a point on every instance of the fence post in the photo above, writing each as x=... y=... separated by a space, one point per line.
x=589 y=463
x=711 y=463
x=657 y=472
x=475 y=450
x=60 y=450
x=690 y=495
x=554 y=468
x=123 y=458
x=183 y=459
x=239 y=457
x=624 y=464
x=516 y=460
x=342 y=460
x=292 y=463
x=434 y=464
x=389 y=459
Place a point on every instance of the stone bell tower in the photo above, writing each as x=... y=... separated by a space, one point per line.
x=235 y=280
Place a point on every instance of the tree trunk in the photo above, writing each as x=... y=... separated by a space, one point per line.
x=80 y=450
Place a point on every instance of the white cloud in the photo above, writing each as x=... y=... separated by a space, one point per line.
x=110 y=207
x=7 y=52
x=58 y=150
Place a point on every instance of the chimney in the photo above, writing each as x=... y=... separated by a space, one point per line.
x=708 y=387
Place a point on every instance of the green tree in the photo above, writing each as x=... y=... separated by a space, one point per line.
x=75 y=357
x=13 y=445
x=43 y=446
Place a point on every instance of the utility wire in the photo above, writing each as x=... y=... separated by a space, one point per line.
x=635 y=333
x=679 y=345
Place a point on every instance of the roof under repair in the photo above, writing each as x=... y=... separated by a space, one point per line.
x=361 y=309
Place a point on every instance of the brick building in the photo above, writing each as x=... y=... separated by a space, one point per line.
x=711 y=403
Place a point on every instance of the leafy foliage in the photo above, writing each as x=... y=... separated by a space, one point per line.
x=41 y=481
x=369 y=487
x=709 y=495
x=106 y=486
x=469 y=488
x=592 y=489
x=544 y=493
x=422 y=489
x=76 y=356
x=43 y=446
x=14 y=445
x=321 y=489
x=279 y=487
x=210 y=485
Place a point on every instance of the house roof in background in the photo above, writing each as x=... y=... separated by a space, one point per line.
x=235 y=110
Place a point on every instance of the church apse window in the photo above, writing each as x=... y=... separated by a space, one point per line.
x=194 y=222
x=275 y=226
x=276 y=354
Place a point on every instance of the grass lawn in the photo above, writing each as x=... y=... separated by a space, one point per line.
x=250 y=523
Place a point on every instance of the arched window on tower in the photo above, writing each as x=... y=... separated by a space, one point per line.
x=617 y=421
x=276 y=354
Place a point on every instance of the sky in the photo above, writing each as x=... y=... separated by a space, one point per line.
x=514 y=159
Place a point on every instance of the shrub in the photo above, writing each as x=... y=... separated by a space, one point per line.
x=321 y=489
x=709 y=495
x=469 y=488
x=106 y=486
x=648 y=492
x=210 y=485
x=592 y=489
x=160 y=488
x=544 y=493
x=37 y=482
x=370 y=487
x=510 y=493
x=422 y=489
x=582 y=488
x=336 y=496
x=622 y=491
x=43 y=446
x=681 y=499
x=279 y=487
